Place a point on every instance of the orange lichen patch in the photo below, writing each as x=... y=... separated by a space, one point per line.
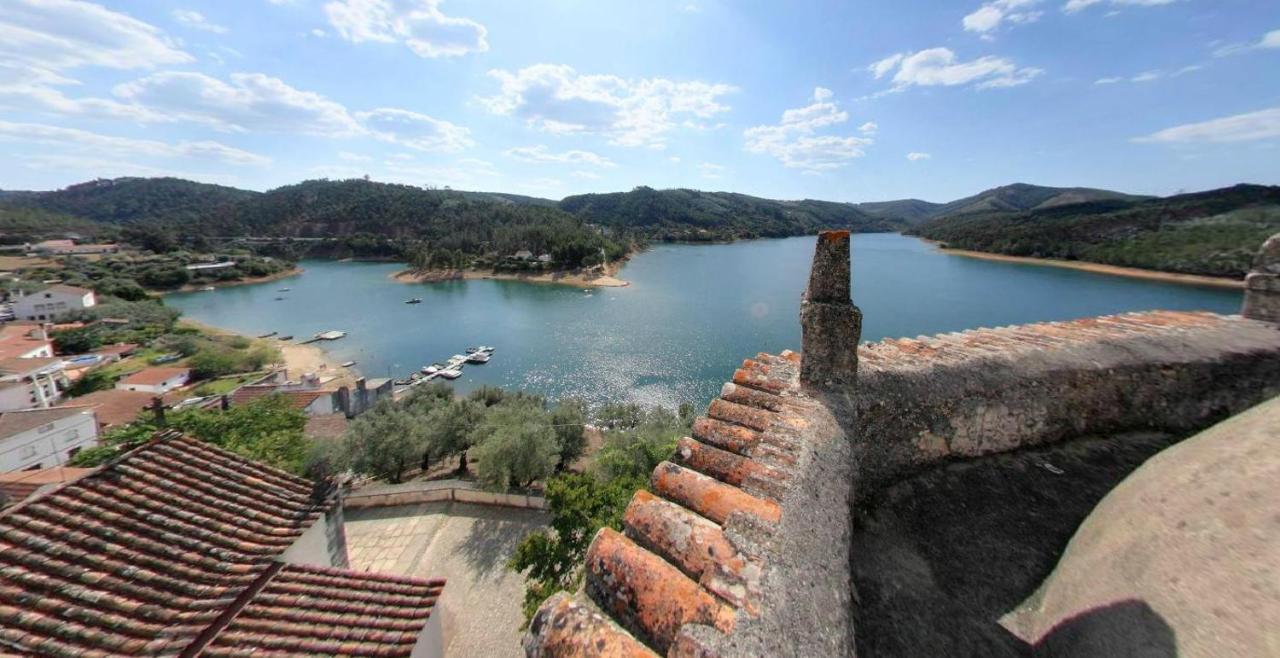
x=756 y=379
x=727 y=436
x=721 y=464
x=646 y=593
x=751 y=397
x=568 y=628
x=708 y=496
x=834 y=236
x=740 y=414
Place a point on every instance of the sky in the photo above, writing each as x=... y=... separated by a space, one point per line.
x=846 y=101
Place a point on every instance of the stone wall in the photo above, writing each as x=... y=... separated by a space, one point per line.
x=919 y=401
x=457 y=491
x=1262 y=286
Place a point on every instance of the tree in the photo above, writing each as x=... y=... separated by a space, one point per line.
x=96 y=379
x=515 y=445
x=213 y=361
x=449 y=430
x=635 y=452
x=77 y=341
x=568 y=420
x=384 y=441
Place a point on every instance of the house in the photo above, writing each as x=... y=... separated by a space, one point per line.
x=31 y=383
x=43 y=438
x=545 y=259
x=17 y=486
x=310 y=402
x=114 y=407
x=156 y=381
x=69 y=247
x=205 y=267
x=52 y=303
x=523 y=254
x=23 y=340
x=199 y=551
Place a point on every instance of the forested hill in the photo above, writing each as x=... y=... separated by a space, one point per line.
x=1008 y=198
x=126 y=200
x=683 y=214
x=1214 y=233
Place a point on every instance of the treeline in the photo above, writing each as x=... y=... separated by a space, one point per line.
x=692 y=215
x=1214 y=233
x=129 y=277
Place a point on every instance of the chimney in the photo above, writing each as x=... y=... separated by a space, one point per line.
x=830 y=325
x=157 y=409
x=1262 y=285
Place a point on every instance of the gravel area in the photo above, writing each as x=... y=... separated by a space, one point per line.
x=467 y=544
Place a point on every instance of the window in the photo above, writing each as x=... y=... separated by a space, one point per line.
x=73 y=452
x=27 y=452
x=33 y=467
x=73 y=435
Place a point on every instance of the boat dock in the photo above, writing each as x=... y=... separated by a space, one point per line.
x=332 y=334
x=449 y=369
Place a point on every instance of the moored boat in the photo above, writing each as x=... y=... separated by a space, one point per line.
x=415 y=300
x=452 y=372
x=478 y=357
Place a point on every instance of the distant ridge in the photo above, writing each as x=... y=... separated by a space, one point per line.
x=1007 y=198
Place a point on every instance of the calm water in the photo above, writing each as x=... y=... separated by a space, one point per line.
x=691 y=314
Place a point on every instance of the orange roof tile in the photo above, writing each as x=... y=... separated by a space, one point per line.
x=113 y=406
x=153 y=376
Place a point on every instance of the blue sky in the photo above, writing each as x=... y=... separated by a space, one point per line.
x=848 y=101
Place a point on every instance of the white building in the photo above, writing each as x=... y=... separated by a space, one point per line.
x=53 y=303
x=44 y=438
x=155 y=380
x=24 y=341
x=31 y=383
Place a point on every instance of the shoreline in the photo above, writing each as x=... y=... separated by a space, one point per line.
x=297 y=358
x=577 y=279
x=1099 y=268
x=192 y=287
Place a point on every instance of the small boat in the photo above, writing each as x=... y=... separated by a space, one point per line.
x=290 y=337
x=432 y=369
x=478 y=357
x=285 y=289
x=279 y=299
x=482 y=348
x=332 y=334
x=208 y=288
x=453 y=372
x=415 y=300
x=268 y=335
x=402 y=382
x=348 y=364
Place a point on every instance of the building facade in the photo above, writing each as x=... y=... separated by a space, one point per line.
x=31 y=383
x=53 y=303
x=155 y=380
x=44 y=438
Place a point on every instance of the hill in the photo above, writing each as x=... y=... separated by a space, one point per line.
x=1213 y=233
x=1008 y=198
x=684 y=214
x=127 y=200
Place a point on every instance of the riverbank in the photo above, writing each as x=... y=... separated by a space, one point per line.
x=607 y=279
x=1099 y=268
x=196 y=287
x=298 y=359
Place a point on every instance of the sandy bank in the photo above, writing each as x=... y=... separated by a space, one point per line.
x=193 y=287
x=1099 y=268
x=298 y=359
x=578 y=279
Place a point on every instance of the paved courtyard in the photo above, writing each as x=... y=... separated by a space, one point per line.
x=467 y=544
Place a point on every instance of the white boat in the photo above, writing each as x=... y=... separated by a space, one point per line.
x=348 y=364
x=330 y=335
x=482 y=348
x=478 y=357
x=208 y=288
x=453 y=372
x=432 y=369
x=456 y=359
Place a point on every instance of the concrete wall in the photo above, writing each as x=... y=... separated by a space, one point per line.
x=312 y=548
x=412 y=493
x=431 y=640
x=48 y=445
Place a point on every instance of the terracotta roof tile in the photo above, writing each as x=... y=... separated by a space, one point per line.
x=297 y=399
x=113 y=406
x=153 y=376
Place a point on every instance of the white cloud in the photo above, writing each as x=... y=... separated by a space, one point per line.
x=916 y=156
x=1150 y=76
x=83 y=140
x=794 y=140
x=589 y=175
x=939 y=66
x=540 y=154
x=1073 y=6
x=1147 y=76
x=64 y=34
x=98 y=167
x=628 y=111
x=869 y=128
x=416 y=131
x=35 y=89
x=348 y=156
x=319 y=33
x=196 y=21
x=711 y=170
x=989 y=16
x=1249 y=127
x=1268 y=41
x=249 y=102
x=1108 y=81
x=418 y=24
x=675 y=159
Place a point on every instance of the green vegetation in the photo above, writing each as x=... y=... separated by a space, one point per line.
x=131 y=200
x=1213 y=233
x=638 y=439
x=692 y=215
x=129 y=276
x=267 y=430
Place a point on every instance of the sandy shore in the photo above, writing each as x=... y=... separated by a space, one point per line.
x=298 y=359
x=1099 y=268
x=577 y=279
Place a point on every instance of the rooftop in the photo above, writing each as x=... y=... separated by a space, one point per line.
x=17 y=422
x=16 y=340
x=298 y=399
x=22 y=366
x=114 y=406
x=153 y=376
x=174 y=548
x=17 y=485
x=64 y=288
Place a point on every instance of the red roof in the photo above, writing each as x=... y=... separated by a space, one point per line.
x=17 y=485
x=153 y=376
x=175 y=546
x=114 y=406
x=297 y=399
x=16 y=340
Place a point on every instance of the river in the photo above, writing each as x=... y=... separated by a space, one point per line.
x=690 y=315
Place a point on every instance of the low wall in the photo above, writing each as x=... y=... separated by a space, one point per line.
x=456 y=491
x=987 y=391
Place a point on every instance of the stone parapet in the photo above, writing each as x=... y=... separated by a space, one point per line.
x=1262 y=286
x=829 y=322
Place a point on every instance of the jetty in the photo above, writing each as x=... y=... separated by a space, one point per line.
x=332 y=334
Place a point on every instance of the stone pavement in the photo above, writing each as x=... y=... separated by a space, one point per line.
x=467 y=544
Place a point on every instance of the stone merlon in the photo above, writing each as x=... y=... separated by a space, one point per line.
x=1262 y=286
x=829 y=322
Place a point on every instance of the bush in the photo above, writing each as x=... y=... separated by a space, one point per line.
x=212 y=362
x=515 y=445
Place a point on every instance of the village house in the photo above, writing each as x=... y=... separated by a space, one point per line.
x=17 y=486
x=52 y=303
x=43 y=438
x=207 y=267
x=114 y=407
x=156 y=381
x=523 y=254
x=198 y=551
x=69 y=247
x=24 y=340
x=32 y=382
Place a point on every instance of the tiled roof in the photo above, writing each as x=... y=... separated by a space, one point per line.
x=325 y=426
x=674 y=564
x=16 y=340
x=153 y=376
x=17 y=422
x=297 y=399
x=17 y=485
x=114 y=406
x=173 y=549
x=309 y=611
x=64 y=288
x=25 y=365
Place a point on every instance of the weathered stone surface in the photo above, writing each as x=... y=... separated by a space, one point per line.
x=565 y=627
x=726 y=436
x=708 y=496
x=1262 y=286
x=830 y=325
x=726 y=466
